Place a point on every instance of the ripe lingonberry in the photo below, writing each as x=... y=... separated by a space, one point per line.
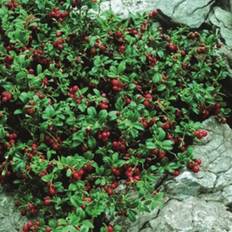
x=116 y=171
x=104 y=135
x=52 y=189
x=104 y=105
x=200 y=133
x=151 y=60
x=47 y=201
x=172 y=47
x=6 y=96
x=122 y=49
x=119 y=146
x=176 y=173
x=110 y=228
x=77 y=175
x=153 y=14
x=117 y=85
x=196 y=168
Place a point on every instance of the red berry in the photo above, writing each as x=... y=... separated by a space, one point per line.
x=196 y=168
x=133 y=31
x=88 y=167
x=104 y=135
x=217 y=108
x=205 y=114
x=198 y=161
x=137 y=177
x=172 y=47
x=176 y=173
x=153 y=14
x=183 y=53
x=122 y=49
x=201 y=49
x=6 y=96
x=147 y=103
x=52 y=189
x=48 y=229
x=114 y=185
x=47 y=201
x=12 y=136
x=119 y=146
x=117 y=85
x=109 y=190
x=110 y=228
x=76 y=175
x=104 y=105
x=145 y=123
x=8 y=59
x=127 y=100
x=12 y=4
x=151 y=59
x=166 y=125
x=200 y=133
x=190 y=165
x=162 y=154
x=116 y=171
x=118 y=34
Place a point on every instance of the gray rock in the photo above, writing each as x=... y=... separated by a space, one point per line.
x=189 y=184
x=191 y=13
x=10 y=218
x=193 y=215
x=142 y=220
x=224 y=179
x=223 y=20
x=124 y=7
x=226 y=53
x=227 y=195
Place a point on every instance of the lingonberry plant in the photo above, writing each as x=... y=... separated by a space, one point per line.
x=94 y=110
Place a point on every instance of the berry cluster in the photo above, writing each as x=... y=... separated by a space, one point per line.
x=119 y=146
x=59 y=43
x=104 y=135
x=194 y=166
x=32 y=226
x=57 y=14
x=117 y=85
x=200 y=133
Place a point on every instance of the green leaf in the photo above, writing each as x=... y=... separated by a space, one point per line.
x=132 y=215
x=156 y=78
x=18 y=111
x=39 y=69
x=113 y=115
x=91 y=142
x=69 y=172
x=92 y=111
x=103 y=114
x=167 y=145
x=2 y=132
x=161 y=87
x=47 y=178
x=150 y=145
x=161 y=134
x=49 y=112
x=26 y=96
x=86 y=226
x=75 y=201
x=121 y=67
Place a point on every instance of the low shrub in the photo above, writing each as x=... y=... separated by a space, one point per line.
x=94 y=110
